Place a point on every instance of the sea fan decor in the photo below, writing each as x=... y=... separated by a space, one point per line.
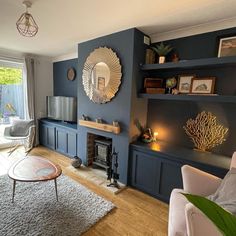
x=204 y=131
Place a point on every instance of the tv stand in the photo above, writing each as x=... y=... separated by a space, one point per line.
x=58 y=136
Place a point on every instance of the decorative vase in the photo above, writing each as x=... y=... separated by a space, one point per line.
x=76 y=162
x=162 y=59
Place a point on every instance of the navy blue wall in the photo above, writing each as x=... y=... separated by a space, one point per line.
x=169 y=117
x=201 y=45
x=120 y=107
x=61 y=85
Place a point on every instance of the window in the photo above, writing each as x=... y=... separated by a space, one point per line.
x=11 y=96
x=11 y=91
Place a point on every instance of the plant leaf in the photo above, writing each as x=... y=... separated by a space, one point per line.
x=161 y=49
x=223 y=220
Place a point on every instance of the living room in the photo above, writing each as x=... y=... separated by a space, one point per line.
x=120 y=130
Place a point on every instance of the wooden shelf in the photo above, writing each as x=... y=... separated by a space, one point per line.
x=100 y=126
x=192 y=64
x=197 y=98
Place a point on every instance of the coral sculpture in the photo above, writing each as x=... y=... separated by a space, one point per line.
x=205 y=132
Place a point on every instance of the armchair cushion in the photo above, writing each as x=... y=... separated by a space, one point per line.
x=20 y=128
x=225 y=195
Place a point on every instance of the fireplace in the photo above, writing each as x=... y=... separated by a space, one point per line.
x=99 y=150
x=103 y=148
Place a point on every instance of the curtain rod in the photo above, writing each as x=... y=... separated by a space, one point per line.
x=11 y=59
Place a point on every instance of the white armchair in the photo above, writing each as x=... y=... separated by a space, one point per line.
x=21 y=132
x=184 y=218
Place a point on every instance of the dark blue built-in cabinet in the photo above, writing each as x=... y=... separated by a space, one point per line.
x=156 y=168
x=58 y=136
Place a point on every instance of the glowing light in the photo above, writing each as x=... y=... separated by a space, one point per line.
x=155 y=135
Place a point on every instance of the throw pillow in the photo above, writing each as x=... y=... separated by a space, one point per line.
x=20 y=128
x=225 y=195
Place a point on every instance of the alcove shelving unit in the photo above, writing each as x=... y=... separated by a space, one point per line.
x=163 y=160
x=185 y=65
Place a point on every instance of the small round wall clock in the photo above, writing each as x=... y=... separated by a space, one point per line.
x=71 y=74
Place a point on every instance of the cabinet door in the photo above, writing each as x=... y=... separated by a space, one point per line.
x=50 y=137
x=170 y=178
x=72 y=144
x=61 y=140
x=145 y=172
x=42 y=134
x=47 y=135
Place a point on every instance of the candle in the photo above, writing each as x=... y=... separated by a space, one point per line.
x=155 y=135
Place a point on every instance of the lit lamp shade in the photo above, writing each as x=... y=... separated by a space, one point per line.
x=26 y=25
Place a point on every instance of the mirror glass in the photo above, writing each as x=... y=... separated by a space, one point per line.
x=101 y=75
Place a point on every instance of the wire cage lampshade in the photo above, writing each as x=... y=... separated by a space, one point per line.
x=26 y=24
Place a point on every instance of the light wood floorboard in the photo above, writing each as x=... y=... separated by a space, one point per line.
x=135 y=214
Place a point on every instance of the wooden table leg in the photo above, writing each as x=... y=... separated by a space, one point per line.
x=14 y=188
x=55 y=181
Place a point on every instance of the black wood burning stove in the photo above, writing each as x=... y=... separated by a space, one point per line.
x=103 y=149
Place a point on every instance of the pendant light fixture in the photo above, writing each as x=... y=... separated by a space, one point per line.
x=26 y=24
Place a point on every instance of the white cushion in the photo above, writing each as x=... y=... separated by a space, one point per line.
x=20 y=128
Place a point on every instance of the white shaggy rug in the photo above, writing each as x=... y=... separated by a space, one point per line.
x=35 y=210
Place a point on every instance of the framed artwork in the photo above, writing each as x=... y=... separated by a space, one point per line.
x=227 y=47
x=100 y=83
x=184 y=83
x=203 y=85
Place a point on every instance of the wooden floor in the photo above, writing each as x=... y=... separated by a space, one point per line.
x=136 y=213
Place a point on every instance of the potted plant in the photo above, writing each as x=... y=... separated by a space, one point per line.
x=146 y=134
x=162 y=50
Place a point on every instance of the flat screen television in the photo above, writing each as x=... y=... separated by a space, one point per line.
x=62 y=108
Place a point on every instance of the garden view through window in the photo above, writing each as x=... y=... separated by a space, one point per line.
x=11 y=95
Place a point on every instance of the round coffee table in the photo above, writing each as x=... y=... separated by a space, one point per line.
x=34 y=169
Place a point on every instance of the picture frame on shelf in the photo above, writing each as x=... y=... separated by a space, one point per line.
x=227 y=47
x=184 y=83
x=205 y=85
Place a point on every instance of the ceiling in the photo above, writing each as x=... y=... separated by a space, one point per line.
x=64 y=23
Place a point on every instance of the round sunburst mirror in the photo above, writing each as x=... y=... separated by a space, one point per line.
x=102 y=75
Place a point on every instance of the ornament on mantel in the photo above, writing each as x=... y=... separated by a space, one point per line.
x=204 y=131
